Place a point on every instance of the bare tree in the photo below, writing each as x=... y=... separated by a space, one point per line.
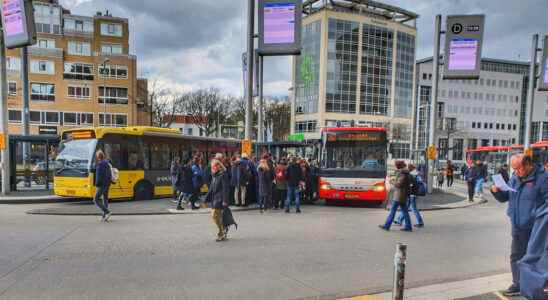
x=278 y=116
x=207 y=109
x=163 y=105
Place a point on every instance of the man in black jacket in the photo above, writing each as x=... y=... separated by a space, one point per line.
x=103 y=179
x=294 y=178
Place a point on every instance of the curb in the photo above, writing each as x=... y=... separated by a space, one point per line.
x=152 y=213
x=38 y=200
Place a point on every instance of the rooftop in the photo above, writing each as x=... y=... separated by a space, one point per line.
x=362 y=7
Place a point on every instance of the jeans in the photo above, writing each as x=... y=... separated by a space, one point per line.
x=412 y=204
x=102 y=192
x=265 y=202
x=449 y=180
x=520 y=239
x=392 y=215
x=293 y=191
x=183 y=197
x=240 y=192
x=471 y=190
x=479 y=186
x=279 y=200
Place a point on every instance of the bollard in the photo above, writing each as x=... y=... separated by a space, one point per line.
x=399 y=271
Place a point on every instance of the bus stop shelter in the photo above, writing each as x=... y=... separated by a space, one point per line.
x=306 y=149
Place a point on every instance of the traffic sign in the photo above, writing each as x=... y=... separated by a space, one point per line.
x=528 y=152
x=246 y=147
x=2 y=141
x=432 y=153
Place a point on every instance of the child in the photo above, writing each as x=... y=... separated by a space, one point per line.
x=441 y=176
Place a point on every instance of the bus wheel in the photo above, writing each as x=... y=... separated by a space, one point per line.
x=143 y=191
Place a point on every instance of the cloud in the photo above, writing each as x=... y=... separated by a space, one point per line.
x=189 y=44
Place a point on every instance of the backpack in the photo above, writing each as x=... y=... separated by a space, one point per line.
x=280 y=176
x=114 y=174
x=413 y=185
x=421 y=186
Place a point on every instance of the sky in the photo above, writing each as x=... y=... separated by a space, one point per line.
x=191 y=44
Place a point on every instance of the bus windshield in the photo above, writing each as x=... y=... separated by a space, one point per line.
x=75 y=156
x=355 y=155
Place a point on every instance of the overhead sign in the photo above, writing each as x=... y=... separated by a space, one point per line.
x=543 y=82
x=356 y=137
x=297 y=137
x=47 y=130
x=280 y=27
x=463 y=44
x=18 y=23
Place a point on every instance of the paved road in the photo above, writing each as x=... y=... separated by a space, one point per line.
x=333 y=251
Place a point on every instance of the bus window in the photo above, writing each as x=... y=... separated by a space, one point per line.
x=135 y=155
x=160 y=157
x=113 y=152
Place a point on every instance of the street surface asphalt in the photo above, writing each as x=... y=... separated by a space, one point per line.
x=326 y=252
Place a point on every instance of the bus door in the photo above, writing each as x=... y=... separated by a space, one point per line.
x=115 y=148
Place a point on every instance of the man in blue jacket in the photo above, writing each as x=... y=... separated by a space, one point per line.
x=103 y=179
x=529 y=182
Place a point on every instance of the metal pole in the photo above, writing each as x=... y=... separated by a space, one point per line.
x=434 y=102
x=4 y=154
x=250 y=60
x=260 y=136
x=417 y=123
x=25 y=112
x=399 y=271
x=531 y=92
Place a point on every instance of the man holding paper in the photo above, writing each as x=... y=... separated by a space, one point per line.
x=525 y=193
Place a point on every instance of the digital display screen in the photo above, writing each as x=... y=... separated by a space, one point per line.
x=463 y=54
x=279 y=23
x=357 y=136
x=12 y=14
x=546 y=71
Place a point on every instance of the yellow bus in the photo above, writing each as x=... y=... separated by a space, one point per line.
x=142 y=155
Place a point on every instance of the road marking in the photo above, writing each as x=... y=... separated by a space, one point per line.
x=501 y=297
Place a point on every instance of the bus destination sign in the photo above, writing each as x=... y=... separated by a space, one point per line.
x=356 y=137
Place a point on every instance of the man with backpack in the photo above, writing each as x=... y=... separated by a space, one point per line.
x=103 y=179
x=401 y=184
x=416 y=189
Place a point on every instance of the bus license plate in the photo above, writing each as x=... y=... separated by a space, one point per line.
x=351 y=196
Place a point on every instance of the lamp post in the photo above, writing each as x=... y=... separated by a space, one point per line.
x=104 y=66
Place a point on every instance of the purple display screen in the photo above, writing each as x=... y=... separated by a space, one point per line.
x=12 y=13
x=463 y=54
x=546 y=71
x=279 y=23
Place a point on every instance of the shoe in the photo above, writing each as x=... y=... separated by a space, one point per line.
x=511 y=291
x=383 y=228
x=287 y=211
x=418 y=225
x=396 y=223
x=298 y=211
x=106 y=217
x=180 y=208
x=406 y=229
x=262 y=211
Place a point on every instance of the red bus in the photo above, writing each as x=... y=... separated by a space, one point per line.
x=499 y=155
x=540 y=153
x=353 y=165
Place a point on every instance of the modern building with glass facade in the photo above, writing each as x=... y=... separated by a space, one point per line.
x=357 y=66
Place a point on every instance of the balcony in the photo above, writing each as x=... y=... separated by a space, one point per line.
x=78 y=33
x=128 y=56
x=46 y=52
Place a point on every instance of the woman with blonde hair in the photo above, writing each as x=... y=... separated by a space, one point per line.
x=265 y=180
x=218 y=196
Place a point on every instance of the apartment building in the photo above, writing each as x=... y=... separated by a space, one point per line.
x=489 y=111
x=80 y=74
x=357 y=66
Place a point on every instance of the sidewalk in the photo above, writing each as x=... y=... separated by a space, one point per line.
x=33 y=197
x=485 y=288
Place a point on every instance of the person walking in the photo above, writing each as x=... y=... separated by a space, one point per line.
x=481 y=176
x=471 y=175
x=463 y=171
x=250 y=169
x=197 y=181
x=175 y=173
x=530 y=182
x=412 y=198
x=218 y=196
x=294 y=179
x=265 y=185
x=103 y=179
x=449 y=171
x=186 y=186
x=240 y=180
x=401 y=185
x=280 y=184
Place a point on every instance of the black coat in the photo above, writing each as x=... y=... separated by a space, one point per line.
x=265 y=182
x=185 y=180
x=102 y=174
x=219 y=190
x=294 y=175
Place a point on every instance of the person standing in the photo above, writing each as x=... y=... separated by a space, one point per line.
x=401 y=185
x=449 y=171
x=218 y=196
x=294 y=178
x=103 y=179
x=530 y=182
x=280 y=185
x=186 y=185
x=471 y=176
x=265 y=185
x=240 y=180
x=412 y=199
x=175 y=173
x=197 y=181
x=251 y=186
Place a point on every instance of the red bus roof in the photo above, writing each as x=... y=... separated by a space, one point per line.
x=343 y=129
x=540 y=144
x=495 y=148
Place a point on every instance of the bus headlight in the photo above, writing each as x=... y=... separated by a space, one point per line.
x=379 y=187
x=325 y=185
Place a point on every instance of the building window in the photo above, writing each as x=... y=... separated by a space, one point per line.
x=78 y=71
x=42 y=91
x=42 y=67
x=109 y=49
x=78 y=92
x=35 y=117
x=308 y=69
x=86 y=119
x=44 y=44
x=545 y=131
x=15 y=116
x=472 y=143
x=79 y=48
x=306 y=126
x=189 y=131
x=109 y=29
x=405 y=67
x=52 y=117
x=12 y=88
x=473 y=124
x=535 y=131
x=72 y=25
x=113 y=120
x=400 y=150
x=70 y=118
x=458 y=149
x=114 y=95
x=113 y=71
x=13 y=63
x=47 y=18
x=484 y=142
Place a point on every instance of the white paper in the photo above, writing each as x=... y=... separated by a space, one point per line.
x=501 y=184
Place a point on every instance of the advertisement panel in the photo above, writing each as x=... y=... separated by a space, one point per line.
x=543 y=81
x=279 y=27
x=18 y=23
x=463 y=44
